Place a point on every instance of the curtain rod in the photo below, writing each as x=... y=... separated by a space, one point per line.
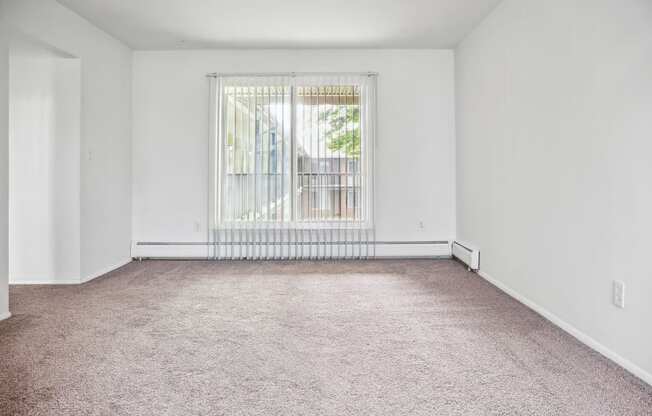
x=286 y=74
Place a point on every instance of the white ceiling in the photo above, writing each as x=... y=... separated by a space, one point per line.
x=174 y=24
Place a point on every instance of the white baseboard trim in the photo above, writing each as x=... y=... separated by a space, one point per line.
x=72 y=280
x=581 y=336
x=28 y=281
x=5 y=315
x=105 y=270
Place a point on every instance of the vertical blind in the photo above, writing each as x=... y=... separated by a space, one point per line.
x=292 y=159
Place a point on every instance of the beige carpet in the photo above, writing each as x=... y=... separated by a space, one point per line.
x=304 y=338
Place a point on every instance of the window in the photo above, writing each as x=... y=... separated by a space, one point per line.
x=293 y=152
x=256 y=154
x=328 y=149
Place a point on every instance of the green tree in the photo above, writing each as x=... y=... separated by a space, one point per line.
x=344 y=129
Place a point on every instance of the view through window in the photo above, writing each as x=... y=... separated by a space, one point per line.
x=294 y=152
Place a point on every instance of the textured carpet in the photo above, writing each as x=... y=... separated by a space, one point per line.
x=301 y=338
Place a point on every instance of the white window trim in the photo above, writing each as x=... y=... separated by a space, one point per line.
x=216 y=152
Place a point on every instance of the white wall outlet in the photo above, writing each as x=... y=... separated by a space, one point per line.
x=197 y=226
x=420 y=225
x=619 y=294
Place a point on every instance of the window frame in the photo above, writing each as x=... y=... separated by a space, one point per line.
x=363 y=174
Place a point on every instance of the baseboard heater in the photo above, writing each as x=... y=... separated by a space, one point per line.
x=292 y=250
x=467 y=255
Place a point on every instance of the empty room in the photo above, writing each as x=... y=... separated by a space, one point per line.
x=303 y=207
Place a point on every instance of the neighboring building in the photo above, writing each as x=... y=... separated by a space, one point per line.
x=257 y=160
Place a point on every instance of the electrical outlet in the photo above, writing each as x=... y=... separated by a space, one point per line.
x=619 y=294
x=197 y=226
x=420 y=225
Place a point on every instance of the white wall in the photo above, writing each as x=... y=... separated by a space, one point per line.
x=105 y=198
x=4 y=172
x=44 y=164
x=554 y=175
x=415 y=146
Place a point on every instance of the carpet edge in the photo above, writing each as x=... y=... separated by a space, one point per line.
x=570 y=329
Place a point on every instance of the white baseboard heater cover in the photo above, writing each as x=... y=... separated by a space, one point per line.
x=467 y=255
x=292 y=249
